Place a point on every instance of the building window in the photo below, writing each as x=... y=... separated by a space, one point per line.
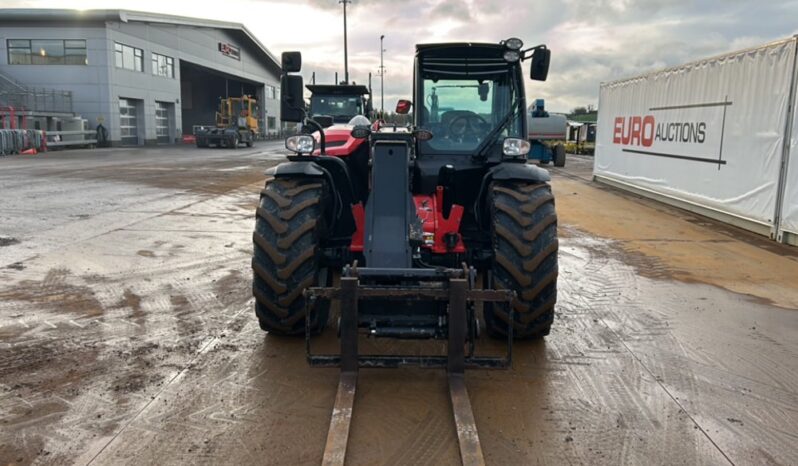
x=270 y=92
x=163 y=66
x=75 y=52
x=271 y=122
x=47 y=52
x=129 y=58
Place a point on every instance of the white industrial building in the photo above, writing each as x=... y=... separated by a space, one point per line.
x=148 y=78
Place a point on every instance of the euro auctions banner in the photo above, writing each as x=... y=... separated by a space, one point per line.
x=709 y=132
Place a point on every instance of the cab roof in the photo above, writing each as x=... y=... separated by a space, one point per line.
x=340 y=89
x=463 y=60
x=461 y=50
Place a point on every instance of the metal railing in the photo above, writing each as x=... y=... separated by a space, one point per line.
x=23 y=98
x=15 y=141
x=71 y=138
x=37 y=100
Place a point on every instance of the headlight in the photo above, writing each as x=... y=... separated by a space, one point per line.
x=514 y=43
x=302 y=144
x=512 y=56
x=515 y=148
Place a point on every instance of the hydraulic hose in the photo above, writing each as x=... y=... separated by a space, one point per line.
x=322 y=141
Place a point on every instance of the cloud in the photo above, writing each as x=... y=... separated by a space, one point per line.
x=454 y=9
x=591 y=40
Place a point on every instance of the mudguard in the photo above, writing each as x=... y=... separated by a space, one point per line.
x=506 y=172
x=288 y=169
x=335 y=172
x=517 y=171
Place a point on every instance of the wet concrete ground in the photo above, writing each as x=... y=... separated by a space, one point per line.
x=127 y=333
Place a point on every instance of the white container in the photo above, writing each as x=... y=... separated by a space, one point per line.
x=707 y=136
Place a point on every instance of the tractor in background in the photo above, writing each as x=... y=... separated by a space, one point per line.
x=547 y=131
x=236 y=123
x=339 y=102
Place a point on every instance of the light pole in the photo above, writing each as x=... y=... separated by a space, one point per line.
x=382 y=80
x=346 y=56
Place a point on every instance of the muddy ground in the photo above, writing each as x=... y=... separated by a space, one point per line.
x=127 y=334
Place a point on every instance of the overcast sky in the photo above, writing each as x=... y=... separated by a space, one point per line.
x=591 y=40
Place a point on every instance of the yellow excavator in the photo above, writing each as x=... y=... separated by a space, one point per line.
x=236 y=123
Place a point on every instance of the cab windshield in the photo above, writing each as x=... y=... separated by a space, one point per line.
x=336 y=105
x=461 y=113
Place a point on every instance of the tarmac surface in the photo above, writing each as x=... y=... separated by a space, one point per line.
x=127 y=334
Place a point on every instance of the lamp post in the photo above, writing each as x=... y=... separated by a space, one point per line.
x=346 y=56
x=382 y=80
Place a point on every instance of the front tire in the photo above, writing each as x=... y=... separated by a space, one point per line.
x=559 y=155
x=525 y=246
x=289 y=225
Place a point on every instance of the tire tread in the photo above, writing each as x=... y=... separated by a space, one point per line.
x=288 y=226
x=525 y=245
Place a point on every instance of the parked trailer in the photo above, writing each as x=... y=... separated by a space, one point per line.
x=712 y=136
x=546 y=134
x=586 y=140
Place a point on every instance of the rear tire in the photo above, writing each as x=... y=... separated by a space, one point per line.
x=289 y=225
x=559 y=155
x=525 y=245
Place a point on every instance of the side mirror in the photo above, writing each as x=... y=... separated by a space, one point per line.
x=291 y=101
x=360 y=132
x=403 y=107
x=483 y=90
x=291 y=62
x=539 y=69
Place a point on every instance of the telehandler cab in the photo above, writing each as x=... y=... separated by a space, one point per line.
x=339 y=103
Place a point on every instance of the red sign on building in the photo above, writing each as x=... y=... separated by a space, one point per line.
x=230 y=50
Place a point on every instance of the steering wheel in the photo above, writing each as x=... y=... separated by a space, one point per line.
x=467 y=124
